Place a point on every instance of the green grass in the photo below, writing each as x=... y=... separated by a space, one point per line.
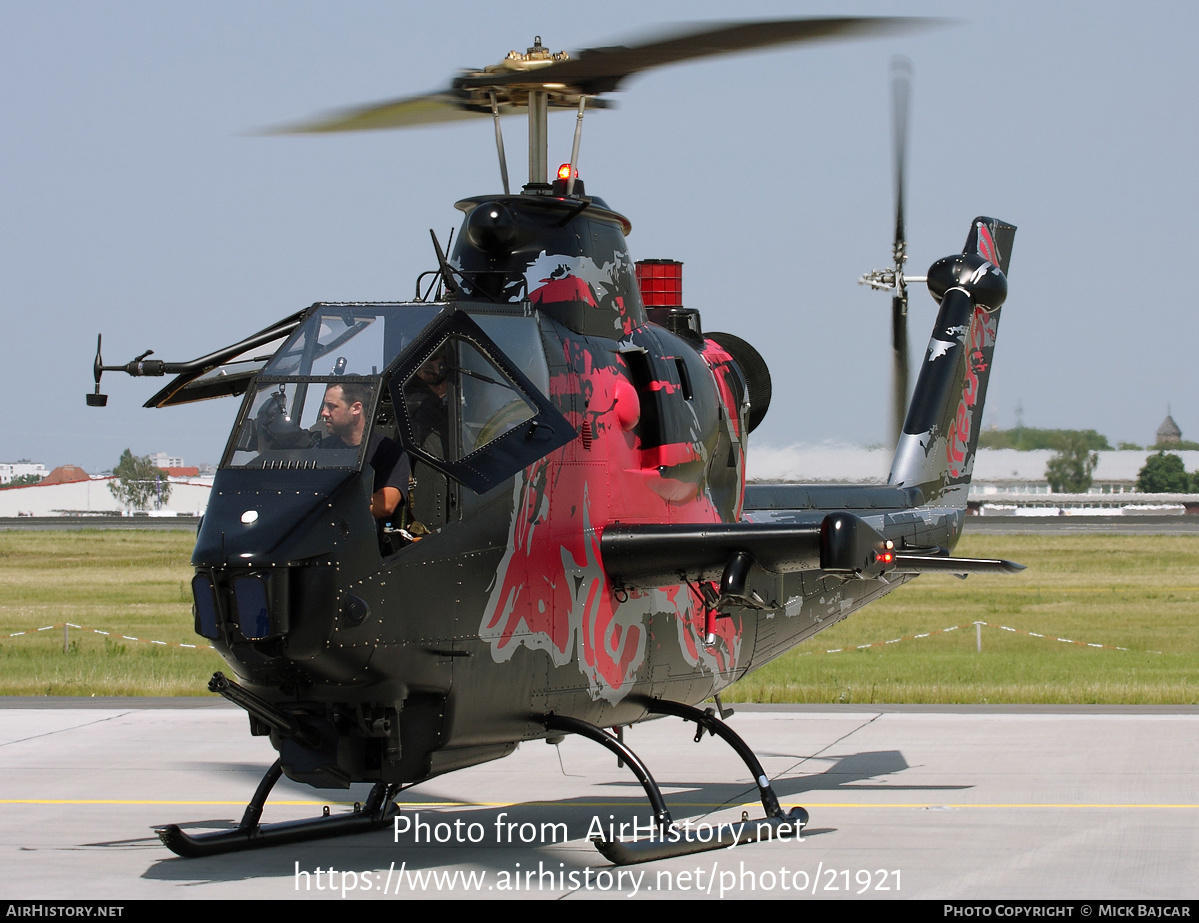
x=1138 y=592
x=123 y=582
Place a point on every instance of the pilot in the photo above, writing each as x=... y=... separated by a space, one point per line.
x=434 y=374
x=428 y=405
x=344 y=414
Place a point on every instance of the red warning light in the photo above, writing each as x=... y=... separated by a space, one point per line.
x=564 y=172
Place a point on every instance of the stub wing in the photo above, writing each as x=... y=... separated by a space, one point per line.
x=841 y=542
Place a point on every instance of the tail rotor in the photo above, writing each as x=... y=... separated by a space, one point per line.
x=893 y=279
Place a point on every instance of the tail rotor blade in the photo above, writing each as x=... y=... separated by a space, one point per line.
x=901 y=88
x=899 y=347
x=901 y=91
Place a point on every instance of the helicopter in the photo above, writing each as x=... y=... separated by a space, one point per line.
x=574 y=549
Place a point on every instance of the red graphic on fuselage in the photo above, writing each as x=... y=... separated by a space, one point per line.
x=551 y=592
x=580 y=279
x=980 y=335
x=986 y=244
x=563 y=288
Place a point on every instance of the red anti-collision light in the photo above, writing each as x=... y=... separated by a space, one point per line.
x=564 y=172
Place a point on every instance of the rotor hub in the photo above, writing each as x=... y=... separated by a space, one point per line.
x=534 y=57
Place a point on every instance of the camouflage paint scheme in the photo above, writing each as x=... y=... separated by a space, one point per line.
x=465 y=640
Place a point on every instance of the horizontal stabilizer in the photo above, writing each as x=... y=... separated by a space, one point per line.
x=936 y=564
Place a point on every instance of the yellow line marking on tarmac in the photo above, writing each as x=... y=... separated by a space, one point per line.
x=1042 y=804
x=595 y=804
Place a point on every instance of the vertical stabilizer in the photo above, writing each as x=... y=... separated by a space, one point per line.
x=940 y=435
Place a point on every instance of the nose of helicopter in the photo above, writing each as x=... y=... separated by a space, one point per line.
x=268 y=559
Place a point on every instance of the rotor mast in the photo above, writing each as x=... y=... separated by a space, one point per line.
x=536 y=57
x=539 y=136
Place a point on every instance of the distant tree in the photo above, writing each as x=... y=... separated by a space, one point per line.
x=1070 y=470
x=1027 y=439
x=1130 y=447
x=24 y=480
x=1164 y=474
x=1182 y=445
x=139 y=482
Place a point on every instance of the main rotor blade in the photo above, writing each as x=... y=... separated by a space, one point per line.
x=592 y=72
x=397 y=113
x=601 y=70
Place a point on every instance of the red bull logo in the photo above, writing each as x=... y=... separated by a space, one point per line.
x=986 y=244
x=551 y=592
x=980 y=336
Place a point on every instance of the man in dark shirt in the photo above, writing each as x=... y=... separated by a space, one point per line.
x=344 y=414
x=426 y=395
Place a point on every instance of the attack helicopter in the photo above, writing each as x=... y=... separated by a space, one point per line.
x=575 y=548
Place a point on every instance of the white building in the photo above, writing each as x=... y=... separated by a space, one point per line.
x=1004 y=479
x=162 y=460
x=189 y=497
x=8 y=470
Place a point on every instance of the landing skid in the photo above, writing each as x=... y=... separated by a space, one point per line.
x=669 y=840
x=250 y=834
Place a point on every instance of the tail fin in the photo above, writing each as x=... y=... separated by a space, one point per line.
x=940 y=436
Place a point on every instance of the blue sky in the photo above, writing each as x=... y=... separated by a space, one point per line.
x=135 y=201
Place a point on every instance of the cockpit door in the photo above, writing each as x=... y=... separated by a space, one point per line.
x=464 y=408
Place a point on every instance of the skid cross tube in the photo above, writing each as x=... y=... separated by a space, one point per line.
x=249 y=834
x=631 y=759
x=669 y=840
x=707 y=721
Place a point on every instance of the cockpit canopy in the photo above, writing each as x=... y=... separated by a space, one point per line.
x=464 y=392
x=350 y=339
